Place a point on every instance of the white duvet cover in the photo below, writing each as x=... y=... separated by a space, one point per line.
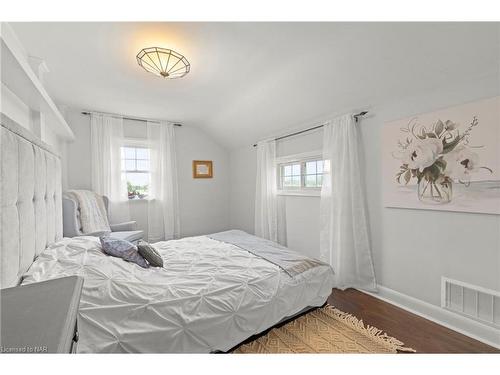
x=209 y=296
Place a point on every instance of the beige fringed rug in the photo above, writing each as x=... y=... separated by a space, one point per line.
x=324 y=330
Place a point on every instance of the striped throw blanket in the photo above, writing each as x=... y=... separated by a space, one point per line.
x=93 y=216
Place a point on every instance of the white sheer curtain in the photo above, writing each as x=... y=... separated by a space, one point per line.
x=163 y=202
x=344 y=238
x=266 y=203
x=106 y=138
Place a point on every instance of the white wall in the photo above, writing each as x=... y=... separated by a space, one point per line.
x=242 y=188
x=204 y=204
x=14 y=108
x=412 y=249
x=78 y=152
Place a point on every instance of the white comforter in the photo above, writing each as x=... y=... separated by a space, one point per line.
x=210 y=296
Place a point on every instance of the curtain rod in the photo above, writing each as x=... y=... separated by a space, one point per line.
x=88 y=113
x=356 y=117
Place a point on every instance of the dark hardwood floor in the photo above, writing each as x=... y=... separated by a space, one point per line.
x=418 y=333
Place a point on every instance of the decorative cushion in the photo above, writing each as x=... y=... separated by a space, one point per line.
x=122 y=249
x=150 y=254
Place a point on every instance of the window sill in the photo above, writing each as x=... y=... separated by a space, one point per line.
x=301 y=193
x=140 y=200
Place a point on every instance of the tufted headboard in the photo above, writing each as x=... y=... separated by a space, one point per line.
x=31 y=205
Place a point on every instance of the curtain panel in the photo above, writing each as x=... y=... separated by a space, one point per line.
x=106 y=139
x=344 y=235
x=163 y=201
x=266 y=203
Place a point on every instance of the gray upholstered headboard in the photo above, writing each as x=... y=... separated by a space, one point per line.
x=31 y=205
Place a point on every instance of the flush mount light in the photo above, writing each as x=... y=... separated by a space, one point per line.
x=163 y=62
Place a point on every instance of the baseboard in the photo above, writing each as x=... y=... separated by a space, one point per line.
x=436 y=314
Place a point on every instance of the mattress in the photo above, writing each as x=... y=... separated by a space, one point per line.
x=210 y=295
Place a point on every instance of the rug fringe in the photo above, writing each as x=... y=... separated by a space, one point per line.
x=377 y=334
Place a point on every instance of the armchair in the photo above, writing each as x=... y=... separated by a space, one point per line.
x=72 y=228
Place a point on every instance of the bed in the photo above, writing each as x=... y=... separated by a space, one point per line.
x=211 y=295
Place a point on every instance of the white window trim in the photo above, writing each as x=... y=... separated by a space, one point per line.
x=304 y=192
x=299 y=157
x=140 y=200
x=301 y=192
x=135 y=142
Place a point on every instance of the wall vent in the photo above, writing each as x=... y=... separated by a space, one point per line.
x=471 y=301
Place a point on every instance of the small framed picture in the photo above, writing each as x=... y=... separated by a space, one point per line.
x=202 y=169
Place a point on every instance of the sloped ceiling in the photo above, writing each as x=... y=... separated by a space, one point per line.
x=251 y=80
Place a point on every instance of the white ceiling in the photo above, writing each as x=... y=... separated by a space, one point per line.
x=250 y=80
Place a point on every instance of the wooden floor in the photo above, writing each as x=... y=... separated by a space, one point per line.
x=418 y=333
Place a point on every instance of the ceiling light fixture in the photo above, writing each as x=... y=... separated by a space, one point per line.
x=163 y=62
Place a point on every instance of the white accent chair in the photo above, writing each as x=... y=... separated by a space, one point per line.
x=72 y=227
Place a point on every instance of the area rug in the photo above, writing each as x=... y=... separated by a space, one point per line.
x=324 y=330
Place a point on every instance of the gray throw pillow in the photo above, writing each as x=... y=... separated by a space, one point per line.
x=122 y=249
x=150 y=254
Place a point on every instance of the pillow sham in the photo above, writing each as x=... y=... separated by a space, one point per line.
x=150 y=254
x=122 y=249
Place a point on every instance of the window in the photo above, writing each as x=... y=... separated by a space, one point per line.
x=135 y=165
x=304 y=176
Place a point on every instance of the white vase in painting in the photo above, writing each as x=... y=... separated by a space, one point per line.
x=435 y=192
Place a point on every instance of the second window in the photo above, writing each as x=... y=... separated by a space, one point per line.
x=303 y=174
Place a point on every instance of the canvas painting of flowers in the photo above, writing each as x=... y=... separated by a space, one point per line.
x=445 y=160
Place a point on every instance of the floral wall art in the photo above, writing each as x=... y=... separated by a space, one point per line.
x=445 y=160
